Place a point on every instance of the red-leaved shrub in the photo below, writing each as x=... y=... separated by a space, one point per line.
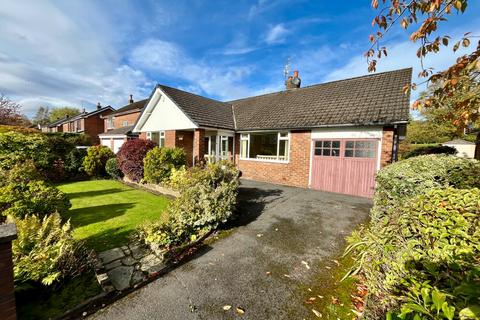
x=130 y=157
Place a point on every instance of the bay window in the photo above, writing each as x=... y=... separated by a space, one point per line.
x=269 y=146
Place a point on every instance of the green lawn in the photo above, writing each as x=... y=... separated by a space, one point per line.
x=104 y=213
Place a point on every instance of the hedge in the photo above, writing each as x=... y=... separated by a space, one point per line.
x=96 y=159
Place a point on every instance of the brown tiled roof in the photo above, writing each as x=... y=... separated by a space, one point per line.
x=367 y=100
x=137 y=105
x=204 y=112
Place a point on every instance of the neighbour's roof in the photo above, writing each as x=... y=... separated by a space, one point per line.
x=459 y=141
x=204 y=112
x=135 y=106
x=119 y=131
x=367 y=100
x=80 y=116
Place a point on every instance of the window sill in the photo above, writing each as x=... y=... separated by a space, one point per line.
x=269 y=161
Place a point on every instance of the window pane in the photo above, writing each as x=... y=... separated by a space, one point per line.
x=326 y=152
x=335 y=152
x=283 y=150
x=349 y=145
x=318 y=144
x=336 y=144
x=162 y=142
x=318 y=151
x=348 y=153
x=327 y=144
x=243 y=148
x=370 y=154
x=284 y=134
x=361 y=153
x=263 y=145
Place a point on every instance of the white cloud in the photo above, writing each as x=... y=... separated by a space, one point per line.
x=51 y=55
x=223 y=82
x=400 y=55
x=276 y=34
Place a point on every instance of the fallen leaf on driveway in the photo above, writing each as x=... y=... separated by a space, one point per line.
x=306 y=265
x=259 y=235
x=321 y=297
x=335 y=300
x=240 y=310
x=336 y=262
x=268 y=273
x=327 y=267
x=227 y=307
x=286 y=275
x=318 y=314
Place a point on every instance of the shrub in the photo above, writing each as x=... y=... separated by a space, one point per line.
x=95 y=160
x=207 y=198
x=111 y=167
x=436 y=149
x=415 y=176
x=32 y=197
x=159 y=163
x=421 y=261
x=74 y=162
x=130 y=157
x=45 y=251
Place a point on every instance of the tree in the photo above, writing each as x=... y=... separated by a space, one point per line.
x=10 y=113
x=457 y=88
x=62 y=112
x=42 y=117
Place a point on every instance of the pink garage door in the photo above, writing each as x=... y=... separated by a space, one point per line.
x=345 y=166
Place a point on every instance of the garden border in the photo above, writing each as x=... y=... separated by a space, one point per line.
x=103 y=299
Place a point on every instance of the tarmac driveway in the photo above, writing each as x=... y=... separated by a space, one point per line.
x=259 y=265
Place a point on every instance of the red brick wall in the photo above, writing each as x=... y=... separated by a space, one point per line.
x=7 y=295
x=118 y=120
x=186 y=143
x=386 y=155
x=198 y=145
x=170 y=138
x=294 y=173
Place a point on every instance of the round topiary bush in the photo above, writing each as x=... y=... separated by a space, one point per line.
x=130 y=157
x=159 y=163
x=95 y=160
x=111 y=167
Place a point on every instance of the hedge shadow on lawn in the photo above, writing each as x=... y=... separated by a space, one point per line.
x=84 y=216
x=94 y=193
x=251 y=203
x=109 y=239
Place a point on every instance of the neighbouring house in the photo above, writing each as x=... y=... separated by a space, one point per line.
x=332 y=136
x=465 y=149
x=89 y=123
x=55 y=126
x=119 y=124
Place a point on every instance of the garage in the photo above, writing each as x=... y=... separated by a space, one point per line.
x=344 y=165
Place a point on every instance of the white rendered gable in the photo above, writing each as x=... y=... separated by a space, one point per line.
x=161 y=113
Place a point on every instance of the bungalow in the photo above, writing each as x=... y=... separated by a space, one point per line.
x=119 y=124
x=332 y=136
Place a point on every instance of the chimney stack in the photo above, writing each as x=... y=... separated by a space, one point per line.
x=131 y=99
x=99 y=106
x=293 y=82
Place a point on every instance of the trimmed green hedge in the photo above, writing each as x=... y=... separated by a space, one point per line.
x=96 y=159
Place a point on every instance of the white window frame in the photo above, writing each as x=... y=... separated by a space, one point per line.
x=246 y=137
x=161 y=136
x=110 y=123
x=125 y=123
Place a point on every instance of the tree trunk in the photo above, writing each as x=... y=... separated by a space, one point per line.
x=477 y=147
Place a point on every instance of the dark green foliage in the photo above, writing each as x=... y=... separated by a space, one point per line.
x=424 y=251
x=414 y=176
x=111 y=167
x=21 y=193
x=74 y=163
x=96 y=159
x=159 y=163
x=45 y=251
x=437 y=149
x=419 y=255
x=208 y=198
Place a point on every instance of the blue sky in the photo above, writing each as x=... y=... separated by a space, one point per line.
x=79 y=53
